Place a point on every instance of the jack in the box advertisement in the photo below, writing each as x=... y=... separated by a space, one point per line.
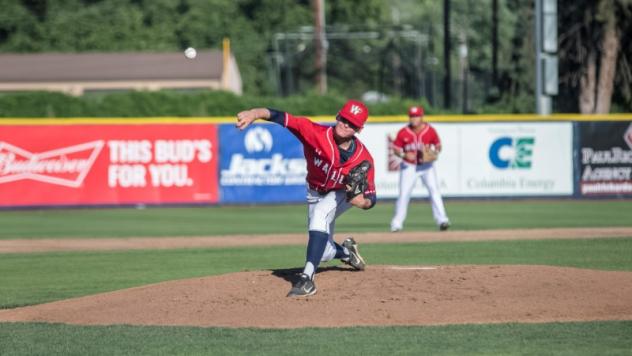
x=262 y=164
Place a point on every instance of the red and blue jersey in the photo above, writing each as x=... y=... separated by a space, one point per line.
x=408 y=140
x=326 y=170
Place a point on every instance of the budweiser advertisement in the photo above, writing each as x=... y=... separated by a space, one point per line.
x=108 y=164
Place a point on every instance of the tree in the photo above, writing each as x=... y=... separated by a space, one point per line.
x=591 y=51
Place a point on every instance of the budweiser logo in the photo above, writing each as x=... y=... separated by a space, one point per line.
x=66 y=166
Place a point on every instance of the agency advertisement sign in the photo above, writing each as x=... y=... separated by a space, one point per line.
x=263 y=163
x=105 y=164
x=486 y=159
x=605 y=158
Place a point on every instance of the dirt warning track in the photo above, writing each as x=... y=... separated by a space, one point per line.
x=95 y=244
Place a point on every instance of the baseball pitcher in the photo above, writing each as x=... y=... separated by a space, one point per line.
x=418 y=146
x=339 y=175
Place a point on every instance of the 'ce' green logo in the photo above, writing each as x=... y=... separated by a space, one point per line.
x=522 y=152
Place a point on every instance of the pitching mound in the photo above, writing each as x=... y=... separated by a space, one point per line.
x=381 y=295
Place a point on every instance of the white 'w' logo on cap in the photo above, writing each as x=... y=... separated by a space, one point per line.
x=355 y=110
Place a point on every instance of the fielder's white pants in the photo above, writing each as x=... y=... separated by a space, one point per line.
x=408 y=176
x=323 y=210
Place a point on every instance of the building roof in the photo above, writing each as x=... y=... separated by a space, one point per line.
x=86 y=67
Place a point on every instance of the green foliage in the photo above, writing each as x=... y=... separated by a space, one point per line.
x=174 y=103
x=42 y=104
x=389 y=64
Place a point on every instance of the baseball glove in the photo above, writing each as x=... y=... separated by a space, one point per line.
x=429 y=153
x=356 y=180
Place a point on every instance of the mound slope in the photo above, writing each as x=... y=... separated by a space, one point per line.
x=381 y=295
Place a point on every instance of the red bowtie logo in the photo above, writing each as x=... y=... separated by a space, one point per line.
x=66 y=166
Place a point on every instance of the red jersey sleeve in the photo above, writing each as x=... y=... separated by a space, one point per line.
x=398 y=143
x=433 y=138
x=303 y=128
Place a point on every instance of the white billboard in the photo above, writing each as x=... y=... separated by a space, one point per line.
x=486 y=159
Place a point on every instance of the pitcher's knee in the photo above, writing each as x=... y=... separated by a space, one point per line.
x=319 y=221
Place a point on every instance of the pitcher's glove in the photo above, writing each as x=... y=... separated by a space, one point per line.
x=356 y=180
x=429 y=153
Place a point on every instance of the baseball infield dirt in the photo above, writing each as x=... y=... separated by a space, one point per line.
x=47 y=245
x=381 y=295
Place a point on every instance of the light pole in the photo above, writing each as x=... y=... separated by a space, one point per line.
x=464 y=70
x=447 y=77
x=546 y=55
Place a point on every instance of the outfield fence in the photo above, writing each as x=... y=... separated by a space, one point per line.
x=155 y=161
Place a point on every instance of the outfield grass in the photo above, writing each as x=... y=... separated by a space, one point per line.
x=573 y=339
x=40 y=277
x=227 y=220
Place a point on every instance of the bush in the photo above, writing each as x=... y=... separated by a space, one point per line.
x=178 y=104
x=41 y=104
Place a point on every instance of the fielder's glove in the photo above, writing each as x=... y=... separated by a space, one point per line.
x=356 y=180
x=429 y=153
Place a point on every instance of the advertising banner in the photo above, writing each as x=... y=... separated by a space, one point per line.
x=103 y=164
x=605 y=158
x=262 y=164
x=486 y=159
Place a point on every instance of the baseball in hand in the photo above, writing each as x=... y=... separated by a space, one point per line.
x=190 y=53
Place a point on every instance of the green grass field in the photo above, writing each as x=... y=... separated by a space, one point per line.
x=205 y=221
x=34 y=278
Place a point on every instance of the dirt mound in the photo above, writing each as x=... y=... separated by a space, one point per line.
x=381 y=295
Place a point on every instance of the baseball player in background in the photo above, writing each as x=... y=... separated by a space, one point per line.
x=339 y=175
x=417 y=145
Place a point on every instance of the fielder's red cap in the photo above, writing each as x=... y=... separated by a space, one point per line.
x=356 y=112
x=416 y=111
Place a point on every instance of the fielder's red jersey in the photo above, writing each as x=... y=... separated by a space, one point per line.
x=408 y=140
x=325 y=171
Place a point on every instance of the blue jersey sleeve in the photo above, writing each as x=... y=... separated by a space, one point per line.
x=277 y=116
x=372 y=198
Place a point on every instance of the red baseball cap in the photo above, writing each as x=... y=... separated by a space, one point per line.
x=416 y=111
x=355 y=112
